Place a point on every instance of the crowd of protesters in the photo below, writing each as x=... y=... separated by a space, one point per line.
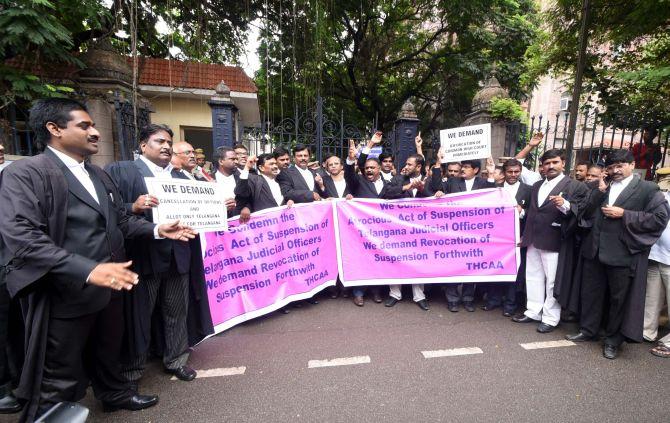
x=90 y=287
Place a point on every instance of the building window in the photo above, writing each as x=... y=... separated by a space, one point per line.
x=566 y=99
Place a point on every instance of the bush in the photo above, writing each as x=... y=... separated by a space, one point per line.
x=506 y=108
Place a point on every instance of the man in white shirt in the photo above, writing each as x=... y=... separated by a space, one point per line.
x=629 y=215
x=549 y=238
x=164 y=266
x=227 y=175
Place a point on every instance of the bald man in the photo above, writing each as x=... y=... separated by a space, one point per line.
x=183 y=158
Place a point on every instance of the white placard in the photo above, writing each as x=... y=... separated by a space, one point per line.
x=199 y=205
x=465 y=143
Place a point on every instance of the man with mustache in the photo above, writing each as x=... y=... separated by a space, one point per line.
x=259 y=192
x=628 y=215
x=469 y=180
x=551 y=219
x=163 y=265
x=282 y=157
x=298 y=182
x=368 y=185
x=228 y=176
x=61 y=247
x=183 y=159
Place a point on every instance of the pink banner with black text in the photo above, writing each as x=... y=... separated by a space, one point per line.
x=468 y=237
x=281 y=255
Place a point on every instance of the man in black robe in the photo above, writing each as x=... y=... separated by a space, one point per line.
x=628 y=216
x=163 y=265
x=61 y=250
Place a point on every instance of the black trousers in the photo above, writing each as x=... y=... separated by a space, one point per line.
x=467 y=293
x=597 y=280
x=84 y=349
x=168 y=295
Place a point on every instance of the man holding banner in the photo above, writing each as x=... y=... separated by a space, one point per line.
x=468 y=181
x=368 y=185
x=413 y=187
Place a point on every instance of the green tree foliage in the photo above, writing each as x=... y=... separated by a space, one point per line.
x=628 y=57
x=38 y=34
x=371 y=56
x=507 y=108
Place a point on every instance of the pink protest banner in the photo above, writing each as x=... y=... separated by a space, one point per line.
x=469 y=237
x=281 y=255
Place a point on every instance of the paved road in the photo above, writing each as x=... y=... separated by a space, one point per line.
x=497 y=381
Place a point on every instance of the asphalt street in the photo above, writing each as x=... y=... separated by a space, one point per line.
x=272 y=369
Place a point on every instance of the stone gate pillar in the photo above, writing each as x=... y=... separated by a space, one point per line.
x=223 y=125
x=406 y=128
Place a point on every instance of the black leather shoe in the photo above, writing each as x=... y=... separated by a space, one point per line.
x=453 y=307
x=545 y=328
x=390 y=302
x=578 y=337
x=468 y=306
x=184 y=373
x=134 y=403
x=507 y=313
x=312 y=301
x=9 y=404
x=284 y=310
x=522 y=318
x=376 y=297
x=423 y=305
x=610 y=351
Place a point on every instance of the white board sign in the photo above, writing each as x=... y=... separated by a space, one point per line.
x=199 y=205
x=466 y=143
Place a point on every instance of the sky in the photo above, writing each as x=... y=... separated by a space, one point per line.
x=251 y=62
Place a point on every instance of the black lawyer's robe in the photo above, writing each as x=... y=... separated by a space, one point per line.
x=153 y=257
x=33 y=216
x=644 y=220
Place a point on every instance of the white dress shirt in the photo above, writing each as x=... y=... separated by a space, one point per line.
x=274 y=189
x=528 y=177
x=274 y=185
x=228 y=183
x=547 y=186
x=79 y=171
x=469 y=183
x=379 y=185
x=340 y=186
x=387 y=176
x=187 y=174
x=308 y=176
x=157 y=171
x=512 y=190
x=617 y=187
x=3 y=165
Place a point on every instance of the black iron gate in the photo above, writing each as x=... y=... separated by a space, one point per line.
x=593 y=138
x=315 y=128
x=127 y=127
